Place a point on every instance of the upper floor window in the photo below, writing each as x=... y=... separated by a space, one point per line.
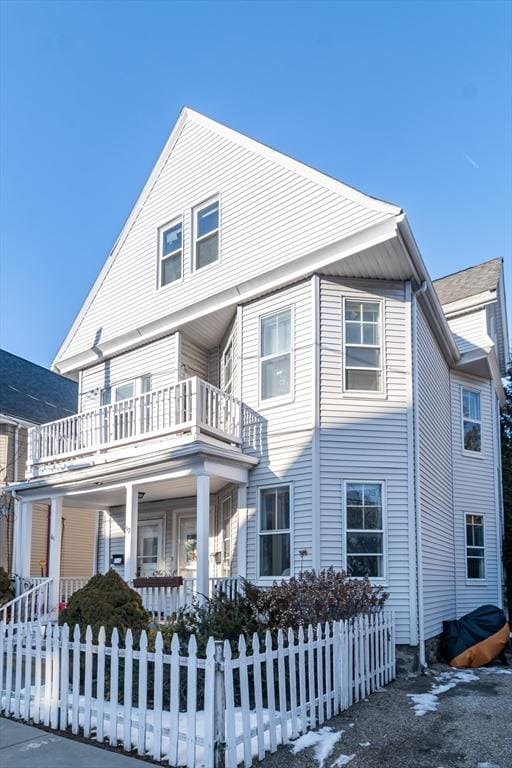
x=206 y=234
x=364 y=529
x=471 y=421
x=475 y=551
x=126 y=390
x=276 y=354
x=227 y=369
x=171 y=254
x=274 y=530
x=363 y=346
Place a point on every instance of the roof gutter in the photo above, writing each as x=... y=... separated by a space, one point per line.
x=428 y=295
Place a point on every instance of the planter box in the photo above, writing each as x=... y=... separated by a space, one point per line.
x=158 y=581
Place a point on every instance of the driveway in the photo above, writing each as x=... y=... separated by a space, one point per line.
x=465 y=721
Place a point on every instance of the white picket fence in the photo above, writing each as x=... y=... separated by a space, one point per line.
x=223 y=709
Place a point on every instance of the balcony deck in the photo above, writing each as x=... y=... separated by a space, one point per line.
x=191 y=406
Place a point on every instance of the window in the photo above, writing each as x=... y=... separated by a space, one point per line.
x=362 y=346
x=475 y=553
x=226 y=510
x=275 y=355
x=274 y=528
x=364 y=529
x=471 y=423
x=206 y=231
x=227 y=369
x=171 y=252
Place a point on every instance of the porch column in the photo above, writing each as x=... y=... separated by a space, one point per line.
x=130 y=533
x=26 y=538
x=54 y=556
x=241 y=544
x=203 y=535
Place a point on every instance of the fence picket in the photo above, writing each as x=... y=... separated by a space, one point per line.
x=292 y=667
x=319 y=673
x=257 y=660
x=281 y=677
x=158 y=697
x=100 y=687
x=174 y=700
x=55 y=676
x=244 y=701
x=302 y=681
x=75 y=691
x=47 y=676
x=271 y=699
x=328 y=678
x=64 y=677
x=311 y=678
x=209 y=694
x=18 y=669
x=127 y=690
x=114 y=684
x=28 y=674
x=8 y=668
x=37 y=676
x=230 y=708
x=142 y=693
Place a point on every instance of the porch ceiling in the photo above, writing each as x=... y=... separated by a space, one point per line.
x=178 y=488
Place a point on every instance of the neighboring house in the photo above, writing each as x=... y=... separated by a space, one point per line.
x=269 y=380
x=31 y=395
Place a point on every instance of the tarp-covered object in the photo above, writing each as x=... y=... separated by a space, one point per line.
x=475 y=639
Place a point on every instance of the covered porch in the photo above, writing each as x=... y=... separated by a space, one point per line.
x=173 y=530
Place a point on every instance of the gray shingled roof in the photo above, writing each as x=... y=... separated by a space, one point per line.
x=468 y=282
x=32 y=393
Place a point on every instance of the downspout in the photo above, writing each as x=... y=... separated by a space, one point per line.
x=417 y=483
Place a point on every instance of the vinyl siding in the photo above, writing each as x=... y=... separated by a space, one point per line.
x=78 y=540
x=366 y=438
x=435 y=468
x=470 y=330
x=279 y=435
x=266 y=209
x=194 y=359
x=157 y=358
x=474 y=493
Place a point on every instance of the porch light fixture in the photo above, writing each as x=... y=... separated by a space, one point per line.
x=140 y=495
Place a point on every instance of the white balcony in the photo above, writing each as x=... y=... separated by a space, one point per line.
x=192 y=407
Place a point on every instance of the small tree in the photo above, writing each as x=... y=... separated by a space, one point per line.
x=506 y=465
x=106 y=601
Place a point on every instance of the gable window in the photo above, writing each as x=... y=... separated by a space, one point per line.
x=362 y=346
x=275 y=355
x=364 y=529
x=475 y=551
x=227 y=369
x=206 y=234
x=471 y=422
x=274 y=532
x=171 y=254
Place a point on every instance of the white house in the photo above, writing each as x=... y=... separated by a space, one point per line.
x=269 y=381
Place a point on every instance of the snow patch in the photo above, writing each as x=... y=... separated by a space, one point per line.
x=428 y=702
x=342 y=760
x=488 y=765
x=364 y=743
x=323 y=741
x=495 y=671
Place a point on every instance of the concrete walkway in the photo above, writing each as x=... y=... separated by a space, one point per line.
x=22 y=745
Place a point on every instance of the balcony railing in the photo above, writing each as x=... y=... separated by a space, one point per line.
x=192 y=405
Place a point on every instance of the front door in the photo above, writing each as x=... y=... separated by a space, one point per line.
x=149 y=547
x=187 y=547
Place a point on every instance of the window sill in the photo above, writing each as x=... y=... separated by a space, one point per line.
x=473 y=454
x=477 y=583
x=363 y=394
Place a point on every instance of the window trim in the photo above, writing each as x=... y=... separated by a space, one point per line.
x=364 y=393
x=161 y=258
x=270 y=579
x=227 y=345
x=465 y=451
x=469 y=579
x=382 y=580
x=224 y=538
x=269 y=402
x=194 y=211
x=137 y=389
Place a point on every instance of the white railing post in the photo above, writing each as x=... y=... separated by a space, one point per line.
x=55 y=552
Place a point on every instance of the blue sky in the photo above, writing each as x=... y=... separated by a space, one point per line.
x=410 y=102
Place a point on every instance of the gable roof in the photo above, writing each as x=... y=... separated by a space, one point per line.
x=32 y=393
x=469 y=282
x=187 y=115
